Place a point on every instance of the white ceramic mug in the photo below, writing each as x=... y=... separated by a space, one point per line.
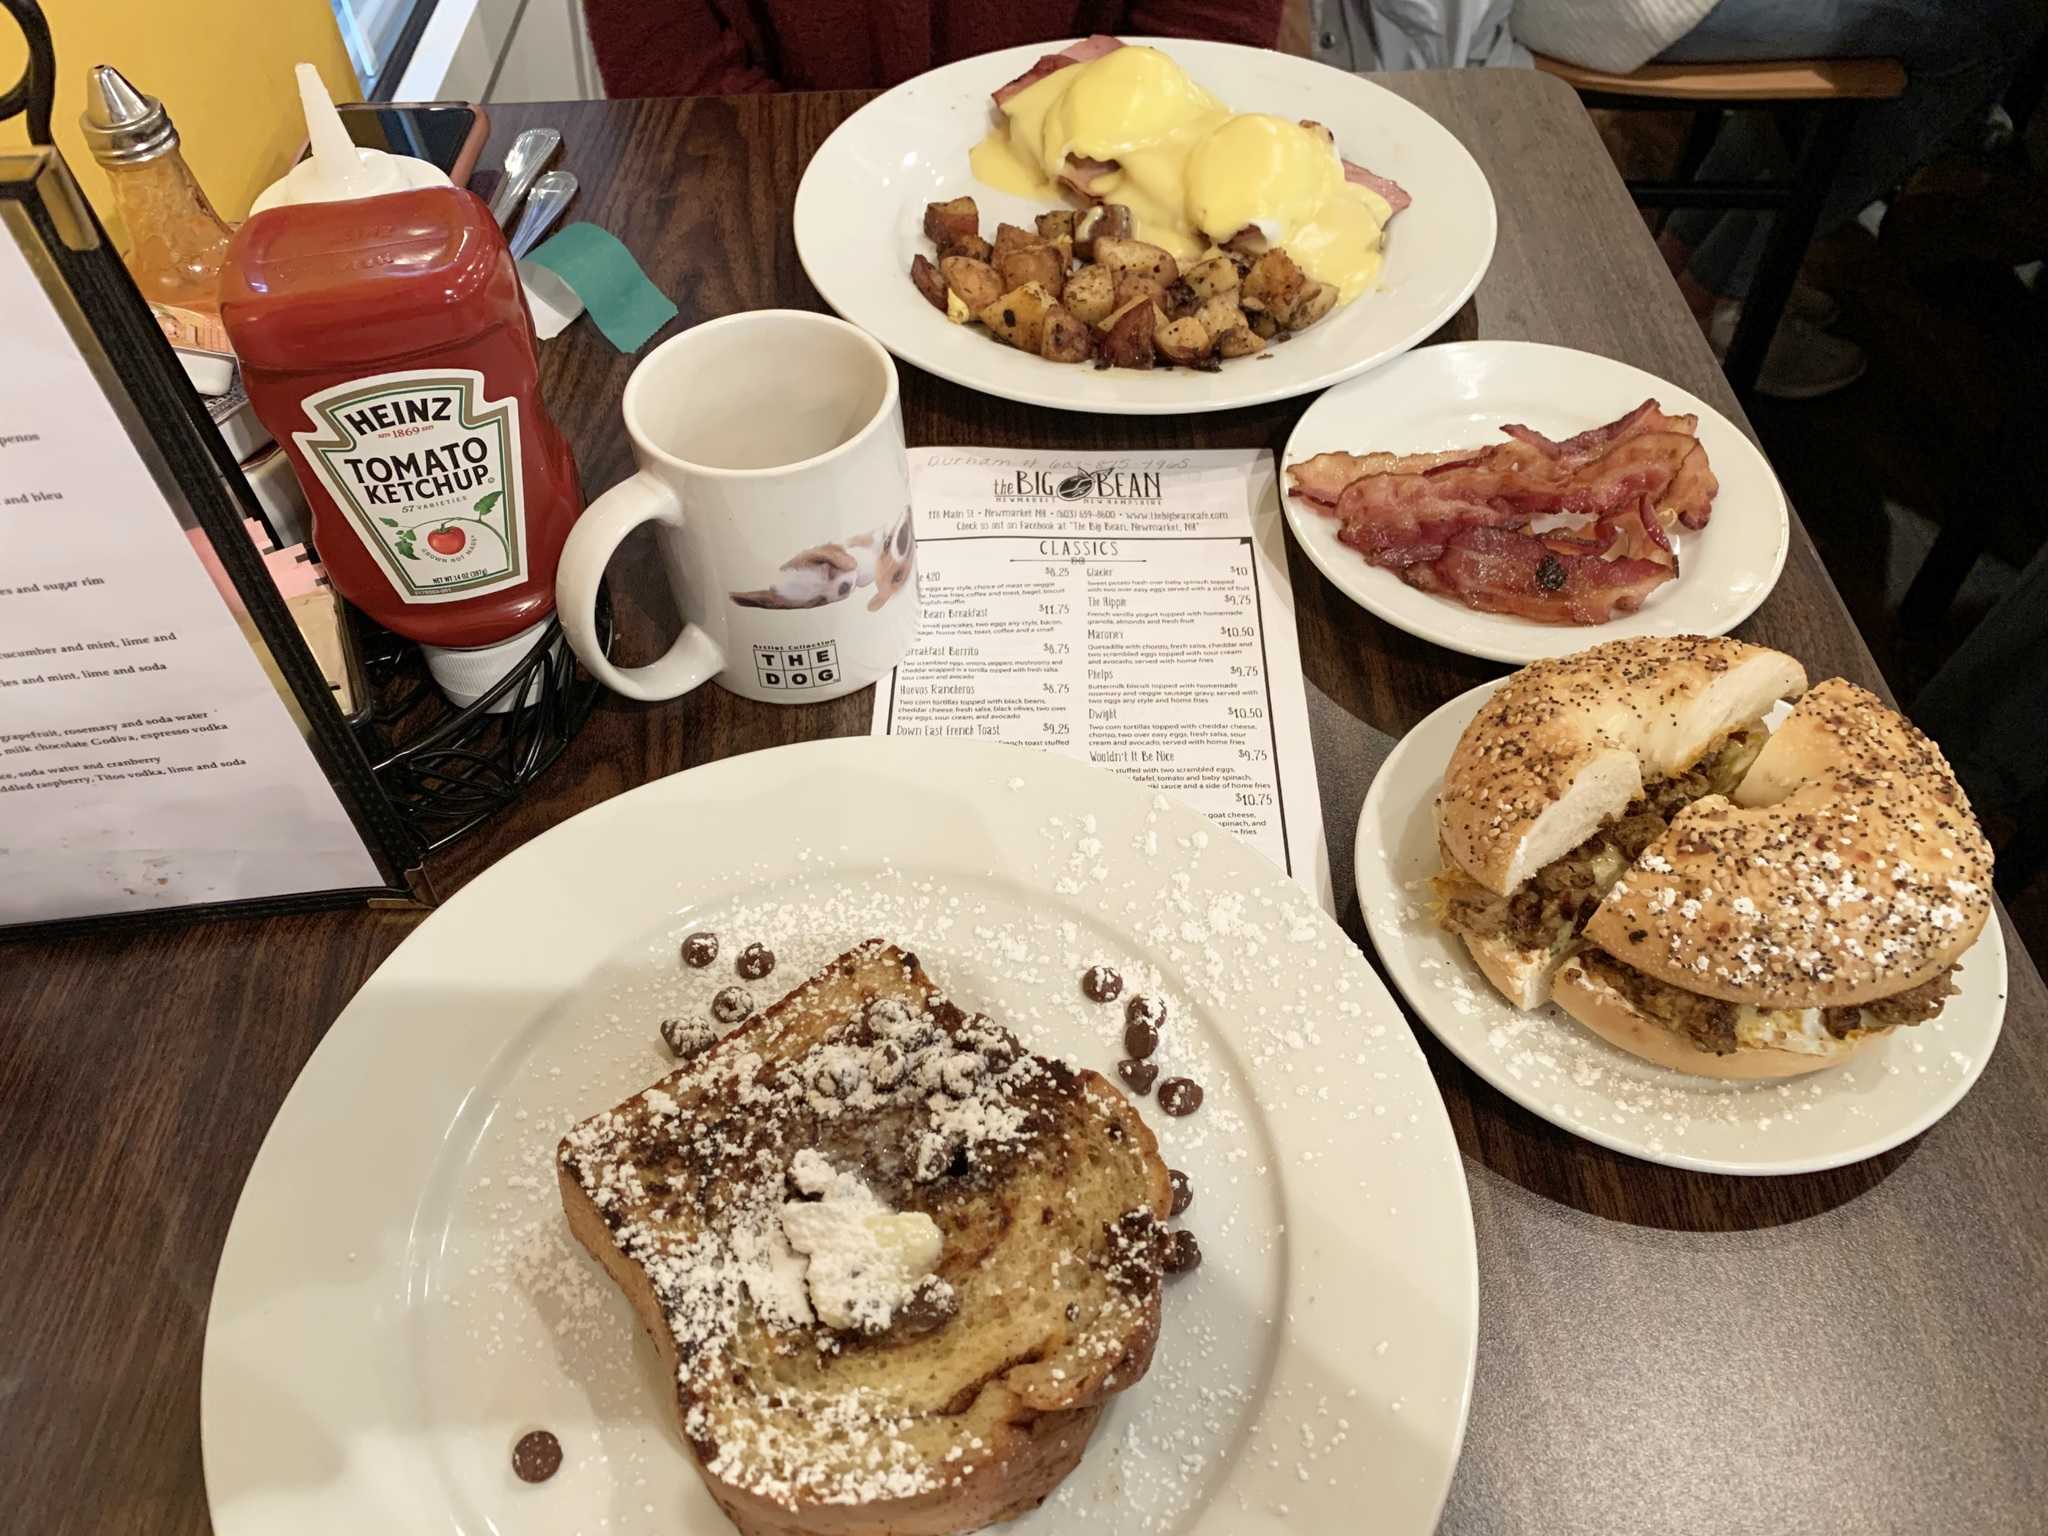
x=771 y=464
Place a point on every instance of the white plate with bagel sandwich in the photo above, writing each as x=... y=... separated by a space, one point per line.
x=860 y=218
x=888 y=1244
x=1657 y=904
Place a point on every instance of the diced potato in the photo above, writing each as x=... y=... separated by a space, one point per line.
x=1104 y=221
x=1010 y=237
x=1065 y=246
x=1316 y=301
x=1263 y=325
x=1179 y=300
x=1247 y=242
x=929 y=281
x=1051 y=226
x=956 y=308
x=1137 y=257
x=1136 y=285
x=1067 y=337
x=975 y=281
x=945 y=222
x=967 y=245
x=1211 y=277
x=1220 y=315
x=1019 y=316
x=1040 y=263
x=1129 y=342
x=1274 y=284
x=1090 y=294
x=1241 y=342
x=1182 y=341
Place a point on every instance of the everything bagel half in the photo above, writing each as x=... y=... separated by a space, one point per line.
x=1620 y=831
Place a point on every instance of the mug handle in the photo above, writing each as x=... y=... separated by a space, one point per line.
x=694 y=658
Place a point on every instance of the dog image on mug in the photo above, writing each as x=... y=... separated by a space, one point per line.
x=883 y=558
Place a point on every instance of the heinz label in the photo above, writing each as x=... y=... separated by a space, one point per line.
x=426 y=470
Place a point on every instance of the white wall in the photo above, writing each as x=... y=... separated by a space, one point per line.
x=503 y=50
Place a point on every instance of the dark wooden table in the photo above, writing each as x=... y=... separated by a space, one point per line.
x=1858 y=1351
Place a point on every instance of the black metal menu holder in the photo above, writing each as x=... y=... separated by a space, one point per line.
x=412 y=771
x=43 y=213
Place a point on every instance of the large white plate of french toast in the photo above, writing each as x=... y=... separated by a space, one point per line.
x=1676 y=897
x=1146 y=226
x=865 y=1136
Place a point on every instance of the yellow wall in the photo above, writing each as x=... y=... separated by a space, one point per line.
x=222 y=67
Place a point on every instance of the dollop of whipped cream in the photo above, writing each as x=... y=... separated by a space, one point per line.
x=865 y=1260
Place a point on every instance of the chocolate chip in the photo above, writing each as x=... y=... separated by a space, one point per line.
x=1141 y=1038
x=755 y=961
x=1102 y=984
x=688 y=1037
x=1138 y=1075
x=1183 y=1191
x=537 y=1457
x=731 y=1004
x=1073 y=1312
x=931 y=1306
x=699 y=950
x=1180 y=1096
x=1145 y=1008
x=1179 y=1252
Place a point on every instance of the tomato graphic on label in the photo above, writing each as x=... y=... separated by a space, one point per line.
x=447 y=541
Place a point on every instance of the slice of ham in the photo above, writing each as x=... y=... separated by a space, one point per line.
x=1396 y=195
x=1074 y=53
x=1501 y=570
x=1081 y=174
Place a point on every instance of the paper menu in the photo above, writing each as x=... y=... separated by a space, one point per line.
x=145 y=759
x=1129 y=610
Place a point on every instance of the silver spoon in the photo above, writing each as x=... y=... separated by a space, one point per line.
x=550 y=195
x=530 y=151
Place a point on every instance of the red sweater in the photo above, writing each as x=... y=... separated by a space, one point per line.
x=725 y=47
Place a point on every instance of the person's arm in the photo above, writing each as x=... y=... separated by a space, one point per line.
x=1255 y=23
x=670 y=48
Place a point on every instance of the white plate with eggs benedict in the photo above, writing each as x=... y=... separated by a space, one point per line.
x=1369 y=195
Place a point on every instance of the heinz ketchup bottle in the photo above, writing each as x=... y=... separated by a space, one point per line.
x=384 y=340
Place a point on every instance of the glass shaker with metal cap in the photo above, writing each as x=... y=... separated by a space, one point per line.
x=176 y=242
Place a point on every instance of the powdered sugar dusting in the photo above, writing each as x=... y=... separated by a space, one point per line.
x=1270 y=1011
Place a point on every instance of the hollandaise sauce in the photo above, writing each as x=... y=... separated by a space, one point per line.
x=1192 y=172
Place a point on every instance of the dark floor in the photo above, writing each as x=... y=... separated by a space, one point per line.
x=1877 y=468
x=1956 y=348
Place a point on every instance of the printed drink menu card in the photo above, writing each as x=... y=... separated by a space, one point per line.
x=145 y=758
x=1130 y=610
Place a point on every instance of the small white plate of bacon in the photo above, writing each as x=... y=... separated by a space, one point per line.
x=1513 y=500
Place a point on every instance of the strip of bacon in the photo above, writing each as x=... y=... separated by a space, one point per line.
x=1690 y=497
x=1500 y=570
x=1594 y=441
x=1322 y=479
x=1396 y=520
x=1074 y=53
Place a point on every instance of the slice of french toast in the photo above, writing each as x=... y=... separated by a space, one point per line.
x=941 y=1402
